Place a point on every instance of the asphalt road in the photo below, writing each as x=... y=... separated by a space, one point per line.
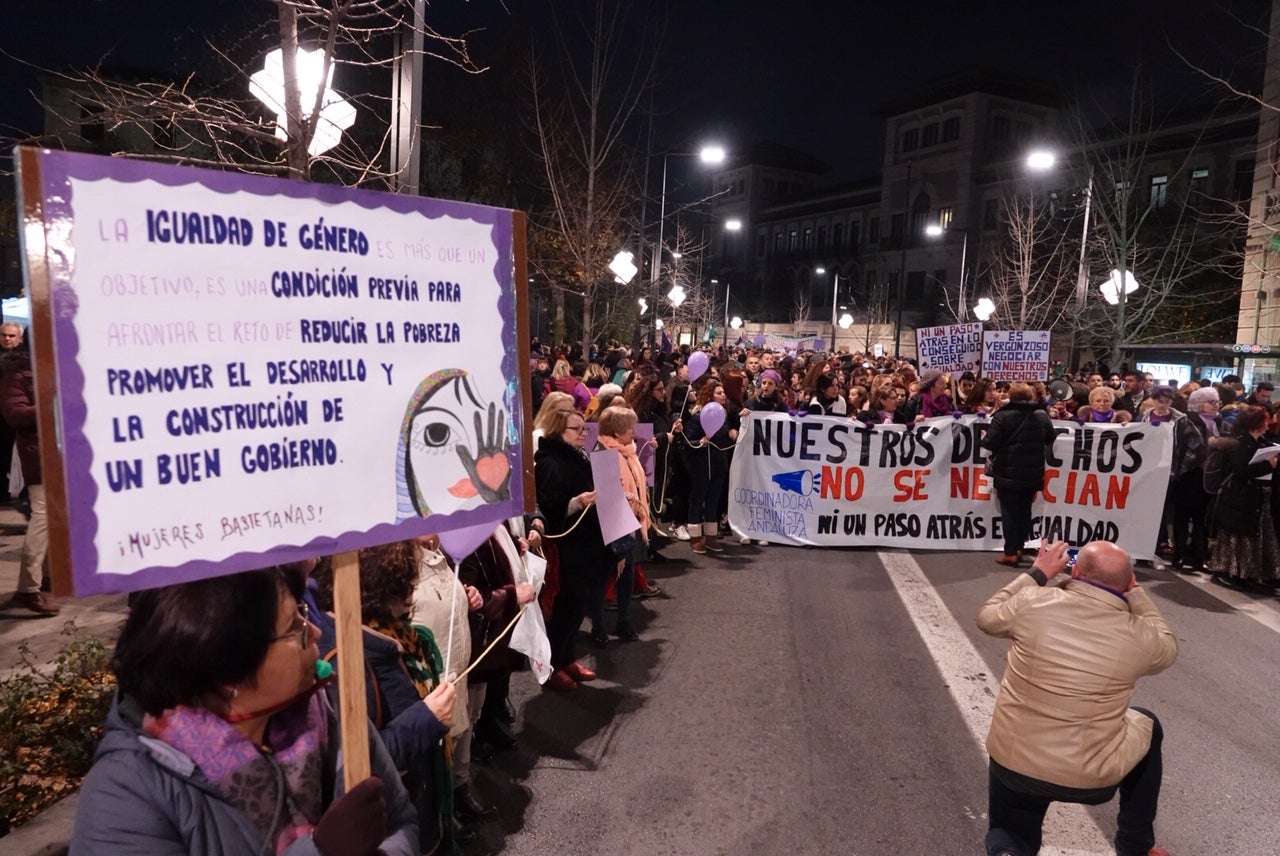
x=788 y=700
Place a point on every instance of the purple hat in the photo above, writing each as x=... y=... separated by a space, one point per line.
x=770 y=374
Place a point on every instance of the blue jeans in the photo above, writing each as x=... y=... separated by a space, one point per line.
x=1017 y=809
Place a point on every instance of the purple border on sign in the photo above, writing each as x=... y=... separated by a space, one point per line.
x=57 y=169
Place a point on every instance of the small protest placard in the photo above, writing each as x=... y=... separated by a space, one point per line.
x=1015 y=354
x=950 y=348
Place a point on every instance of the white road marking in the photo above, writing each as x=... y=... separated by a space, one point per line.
x=1069 y=830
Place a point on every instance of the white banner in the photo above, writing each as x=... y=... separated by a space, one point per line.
x=952 y=348
x=829 y=481
x=1015 y=354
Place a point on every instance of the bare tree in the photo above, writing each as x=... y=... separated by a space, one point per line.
x=1032 y=274
x=800 y=311
x=211 y=120
x=1180 y=246
x=584 y=104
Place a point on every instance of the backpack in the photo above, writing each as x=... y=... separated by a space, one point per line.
x=1216 y=469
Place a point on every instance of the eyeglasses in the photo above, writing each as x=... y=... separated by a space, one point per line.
x=575 y=427
x=302 y=631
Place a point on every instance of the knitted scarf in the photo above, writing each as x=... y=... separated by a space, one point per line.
x=939 y=405
x=633 y=480
x=276 y=785
x=422 y=660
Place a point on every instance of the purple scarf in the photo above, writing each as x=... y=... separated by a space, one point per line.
x=935 y=406
x=249 y=777
x=1210 y=424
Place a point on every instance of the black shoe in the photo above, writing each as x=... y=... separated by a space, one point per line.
x=495 y=736
x=462 y=834
x=626 y=632
x=656 y=558
x=507 y=713
x=468 y=806
x=599 y=638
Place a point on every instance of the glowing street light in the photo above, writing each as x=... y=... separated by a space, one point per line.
x=1041 y=160
x=676 y=295
x=985 y=309
x=336 y=113
x=1111 y=288
x=711 y=154
x=623 y=267
x=734 y=225
x=846 y=321
x=736 y=323
x=644 y=305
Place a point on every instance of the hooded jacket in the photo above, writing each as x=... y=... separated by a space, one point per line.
x=1019 y=435
x=145 y=798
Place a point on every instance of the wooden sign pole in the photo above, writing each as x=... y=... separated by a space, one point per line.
x=352 y=706
x=520 y=260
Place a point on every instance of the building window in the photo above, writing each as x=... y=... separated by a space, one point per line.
x=93 y=131
x=1200 y=174
x=793 y=241
x=837 y=235
x=739 y=187
x=778 y=241
x=1021 y=130
x=951 y=130
x=1159 y=190
x=929 y=135
x=855 y=233
x=910 y=140
x=871 y=281
x=808 y=237
x=873 y=230
x=991 y=214
x=896 y=223
x=945 y=216
x=822 y=237
x=762 y=244
x=1000 y=128
x=770 y=186
x=1244 y=179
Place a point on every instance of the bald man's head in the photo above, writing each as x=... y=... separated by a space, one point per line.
x=1106 y=564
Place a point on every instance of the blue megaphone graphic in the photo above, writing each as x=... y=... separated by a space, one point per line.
x=800 y=481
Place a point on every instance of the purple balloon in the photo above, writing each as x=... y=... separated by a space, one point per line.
x=698 y=362
x=712 y=418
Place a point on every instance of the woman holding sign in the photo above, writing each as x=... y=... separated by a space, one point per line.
x=1020 y=435
x=219 y=741
x=1246 y=549
x=566 y=496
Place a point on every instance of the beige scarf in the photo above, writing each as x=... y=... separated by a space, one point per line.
x=633 y=481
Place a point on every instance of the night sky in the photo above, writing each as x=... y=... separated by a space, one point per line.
x=807 y=73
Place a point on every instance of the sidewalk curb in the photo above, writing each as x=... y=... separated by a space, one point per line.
x=46 y=834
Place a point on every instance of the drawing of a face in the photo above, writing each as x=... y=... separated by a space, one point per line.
x=452 y=448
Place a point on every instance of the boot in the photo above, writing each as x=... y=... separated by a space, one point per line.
x=695 y=544
x=711 y=537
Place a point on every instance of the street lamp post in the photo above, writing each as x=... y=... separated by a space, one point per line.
x=835 y=300
x=902 y=268
x=1042 y=161
x=937 y=231
x=708 y=155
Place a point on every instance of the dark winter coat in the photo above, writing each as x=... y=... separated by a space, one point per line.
x=490 y=572
x=1019 y=436
x=145 y=797
x=561 y=472
x=18 y=406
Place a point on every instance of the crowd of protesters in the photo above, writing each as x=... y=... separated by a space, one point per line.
x=220 y=742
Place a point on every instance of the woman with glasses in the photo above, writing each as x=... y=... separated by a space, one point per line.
x=219 y=742
x=566 y=496
x=884 y=407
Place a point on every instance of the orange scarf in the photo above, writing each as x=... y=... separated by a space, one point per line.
x=633 y=481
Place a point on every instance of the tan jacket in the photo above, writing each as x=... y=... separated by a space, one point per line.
x=1063 y=715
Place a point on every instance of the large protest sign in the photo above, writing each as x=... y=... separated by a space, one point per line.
x=247 y=371
x=1015 y=354
x=833 y=482
x=952 y=348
